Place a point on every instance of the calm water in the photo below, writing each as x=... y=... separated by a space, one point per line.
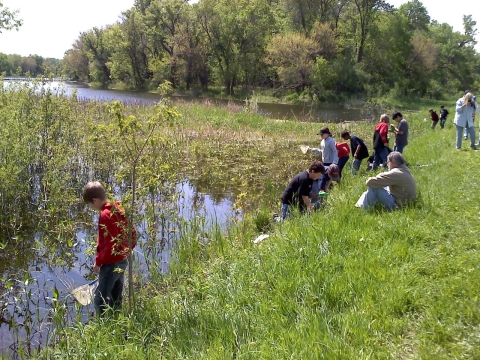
x=28 y=302
x=317 y=113
x=214 y=207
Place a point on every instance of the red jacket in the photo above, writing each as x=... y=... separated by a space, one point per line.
x=343 y=149
x=383 y=130
x=112 y=242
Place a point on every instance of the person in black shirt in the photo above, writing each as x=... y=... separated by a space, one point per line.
x=298 y=190
x=443 y=116
x=359 y=149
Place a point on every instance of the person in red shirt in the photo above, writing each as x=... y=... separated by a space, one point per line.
x=433 y=117
x=343 y=155
x=113 y=247
x=380 y=142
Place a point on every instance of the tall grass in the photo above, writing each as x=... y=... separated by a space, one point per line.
x=339 y=284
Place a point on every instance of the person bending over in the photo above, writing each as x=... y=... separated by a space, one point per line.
x=298 y=190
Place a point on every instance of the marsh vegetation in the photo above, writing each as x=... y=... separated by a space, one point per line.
x=339 y=284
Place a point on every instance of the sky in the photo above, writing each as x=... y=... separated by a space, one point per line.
x=51 y=26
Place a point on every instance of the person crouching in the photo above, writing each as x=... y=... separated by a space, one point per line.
x=298 y=190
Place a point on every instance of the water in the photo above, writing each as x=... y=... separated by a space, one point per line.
x=32 y=276
x=317 y=113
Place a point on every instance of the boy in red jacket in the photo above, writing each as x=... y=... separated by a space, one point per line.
x=113 y=247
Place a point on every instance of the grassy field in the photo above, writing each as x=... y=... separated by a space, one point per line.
x=339 y=284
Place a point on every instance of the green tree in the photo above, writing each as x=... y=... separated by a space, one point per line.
x=98 y=55
x=5 y=65
x=163 y=20
x=192 y=52
x=292 y=56
x=75 y=62
x=416 y=14
x=236 y=32
x=8 y=19
x=368 y=11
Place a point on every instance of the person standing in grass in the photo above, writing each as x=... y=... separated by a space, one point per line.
x=443 y=116
x=113 y=248
x=359 y=149
x=464 y=110
x=393 y=189
x=343 y=151
x=327 y=147
x=401 y=132
x=298 y=190
x=380 y=142
x=434 y=117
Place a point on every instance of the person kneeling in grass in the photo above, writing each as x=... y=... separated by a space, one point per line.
x=393 y=189
x=332 y=173
x=298 y=191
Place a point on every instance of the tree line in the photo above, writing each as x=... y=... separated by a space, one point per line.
x=29 y=66
x=316 y=49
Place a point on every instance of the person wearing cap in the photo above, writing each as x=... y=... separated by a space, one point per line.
x=393 y=189
x=401 y=132
x=359 y=149
x=327 y=147
x=298 y=190
x=332 y=173
x=464 y=110
x=380 y=142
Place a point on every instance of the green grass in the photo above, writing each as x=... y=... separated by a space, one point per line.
x=340 y=284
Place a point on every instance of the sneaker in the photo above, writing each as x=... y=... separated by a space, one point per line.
x=474 y=147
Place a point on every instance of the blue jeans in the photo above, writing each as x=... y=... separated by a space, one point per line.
x=110 y=287
x=399 y=148
x=442 y=122
x=356 y=165
x=380 y=156
x=315 y=190
x=285 y=211
x=470 y=130
x=372 y=196
x=341 y=164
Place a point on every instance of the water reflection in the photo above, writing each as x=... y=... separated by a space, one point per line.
x=317 y=113
x=30 y=274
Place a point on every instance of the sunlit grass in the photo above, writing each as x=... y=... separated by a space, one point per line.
x=339 y=284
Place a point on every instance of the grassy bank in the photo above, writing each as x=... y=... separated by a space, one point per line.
x=340 y=284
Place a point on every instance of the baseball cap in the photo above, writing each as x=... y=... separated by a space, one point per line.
x=344 y=132
x=334 y=172
x=324 y=130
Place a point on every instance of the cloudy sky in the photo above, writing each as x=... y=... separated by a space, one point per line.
x=51 y=26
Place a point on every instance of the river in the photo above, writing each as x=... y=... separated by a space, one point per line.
x=313 y=112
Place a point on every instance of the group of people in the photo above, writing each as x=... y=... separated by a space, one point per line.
x=466 y=108
x=436 y=118
x=392 y=189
